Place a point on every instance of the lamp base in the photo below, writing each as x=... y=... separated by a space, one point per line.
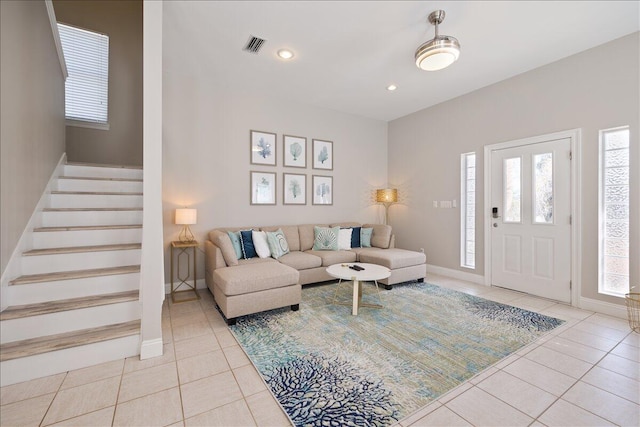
x=186 y=235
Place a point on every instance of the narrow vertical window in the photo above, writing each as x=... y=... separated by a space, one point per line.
x=512 y=190
x=86 y=54
x=468 y=210
x=543 y=188
x=614 y=212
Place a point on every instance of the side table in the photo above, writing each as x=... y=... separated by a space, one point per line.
x=182 y=249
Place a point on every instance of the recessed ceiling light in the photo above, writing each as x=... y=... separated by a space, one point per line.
x=285 y=54
x=392 y=87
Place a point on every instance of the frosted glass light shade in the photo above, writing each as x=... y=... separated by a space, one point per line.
x=186 y=216
x=438 y=53
x=387 y=195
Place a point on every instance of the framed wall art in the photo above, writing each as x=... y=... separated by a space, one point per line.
x=322 y=190
x=263 y=148
x=295 y=151
x=294 y=189
x=263 y=188
x=322 y=154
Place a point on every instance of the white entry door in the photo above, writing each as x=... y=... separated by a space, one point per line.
x=531 y=219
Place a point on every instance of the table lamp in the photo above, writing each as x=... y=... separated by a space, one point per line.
x=387 y=196
x=186 y=217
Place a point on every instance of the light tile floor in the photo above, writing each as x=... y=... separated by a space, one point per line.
x=586 y=372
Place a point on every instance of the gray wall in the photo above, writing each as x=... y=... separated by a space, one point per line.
x=595 y=89
x=32 y=128
x=206 y=153
x=122 y=22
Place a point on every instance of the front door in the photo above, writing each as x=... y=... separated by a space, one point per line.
x=531 y=219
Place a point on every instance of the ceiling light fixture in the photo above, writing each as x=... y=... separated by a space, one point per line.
x=392 y=87
x=439 y=52
x=285 y=54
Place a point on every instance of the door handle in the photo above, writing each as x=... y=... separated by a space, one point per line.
x=494 y=212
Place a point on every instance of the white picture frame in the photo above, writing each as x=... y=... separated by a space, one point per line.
x=294 y=152
x=263 y=188
x=322 y=154
x=294 y=189
x=322 y=190
x=263 y=148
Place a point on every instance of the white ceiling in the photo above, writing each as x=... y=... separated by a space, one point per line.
x=347 y=52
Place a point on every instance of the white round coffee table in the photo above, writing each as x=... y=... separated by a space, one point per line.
x=371 y=272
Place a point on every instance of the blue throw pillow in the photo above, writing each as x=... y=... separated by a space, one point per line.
x=326 y=239
x=355 y=237
x=235 y=241
x=365 y=237
x=246 y=240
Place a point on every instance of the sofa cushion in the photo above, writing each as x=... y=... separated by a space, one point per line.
x=246 y=243
x=307 y=235
x=333 y=257
x=290 y=233
x=301 y=260
x=326 y=239
x=277 y=242
x=359 y=251
x=381 y=236
x=393 y=258
x=242 y=279
x=255 y=260
x=345 y=224
x=365 y=237
x=235 y=241
x=222 y=240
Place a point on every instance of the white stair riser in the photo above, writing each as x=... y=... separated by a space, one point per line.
x=53 y=263
x=42 y=365
x=33 y=293
x=102 y=172
x=95 y=201
x=69 y=218
x=67 y=321
x=98 y=185
x=65 y=239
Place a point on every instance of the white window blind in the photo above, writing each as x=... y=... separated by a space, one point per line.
x=614 y=212
x=87 y=87
x=468 y=210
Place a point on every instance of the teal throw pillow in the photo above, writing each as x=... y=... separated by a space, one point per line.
x=326 y=239
x=235 y=241
x=365 y=237
x=277 y=243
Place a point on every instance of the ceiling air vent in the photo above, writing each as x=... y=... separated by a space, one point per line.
x=254 y=44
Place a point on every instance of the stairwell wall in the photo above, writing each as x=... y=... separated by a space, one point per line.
x=32 y=127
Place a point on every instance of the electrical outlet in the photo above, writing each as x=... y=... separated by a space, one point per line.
x=445 y=204
x=422 y=250
x=455 y=204
x=435 y=203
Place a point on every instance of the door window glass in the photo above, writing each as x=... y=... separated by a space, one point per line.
x=512 y=190
x=543 y=188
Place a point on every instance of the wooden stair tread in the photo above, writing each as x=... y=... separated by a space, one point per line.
x=79 y=249
x=99 y=178
x=89 y=209
x=74 y=274
x=38 y=309
x=86 y=227
x=105 y=165
x=34 y=346
x=97 y=193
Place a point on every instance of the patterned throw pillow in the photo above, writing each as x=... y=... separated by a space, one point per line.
x=326 y=239
x=365 y=237
x=277 y=243
x=235 y=241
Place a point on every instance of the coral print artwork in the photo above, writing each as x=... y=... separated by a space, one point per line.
x=322 y=154
x=295 y=151
x=263 y=148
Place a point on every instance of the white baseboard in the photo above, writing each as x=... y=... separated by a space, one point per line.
x=151 y=348
x=200 y=284
x=456 y=274
x=14 y=266
x=603 y=307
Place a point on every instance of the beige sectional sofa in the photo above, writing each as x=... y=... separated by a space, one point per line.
x=245 y=286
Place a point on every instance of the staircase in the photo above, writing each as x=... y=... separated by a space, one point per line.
x=76 y=303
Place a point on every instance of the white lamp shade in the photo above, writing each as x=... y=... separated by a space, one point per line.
x=186 y=216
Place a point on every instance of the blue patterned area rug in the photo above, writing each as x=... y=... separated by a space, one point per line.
x=327 y=367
